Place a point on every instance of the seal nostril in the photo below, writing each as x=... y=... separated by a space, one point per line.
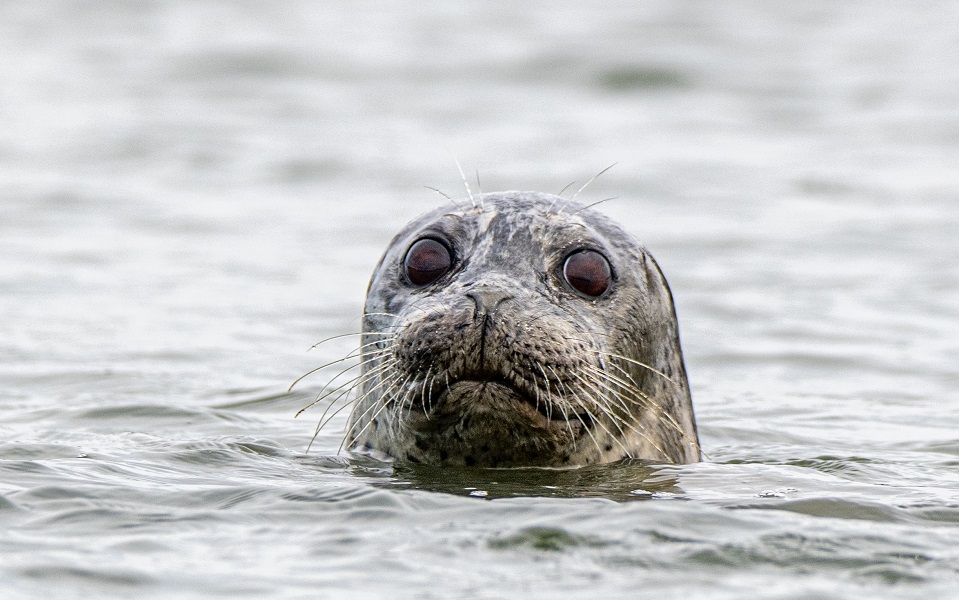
x=487 y=299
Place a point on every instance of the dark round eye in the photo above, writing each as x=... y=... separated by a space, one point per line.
x=588 y=272
x=426 y=261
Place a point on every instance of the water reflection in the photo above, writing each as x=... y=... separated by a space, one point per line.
x=622 y=481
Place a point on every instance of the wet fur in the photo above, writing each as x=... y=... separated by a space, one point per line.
x=500 y=363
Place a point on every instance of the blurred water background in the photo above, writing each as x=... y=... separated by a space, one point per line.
x=194 y=193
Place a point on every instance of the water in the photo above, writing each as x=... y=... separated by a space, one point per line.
x=193 y=194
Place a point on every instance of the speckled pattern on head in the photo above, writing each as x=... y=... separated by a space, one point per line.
x=501 y=362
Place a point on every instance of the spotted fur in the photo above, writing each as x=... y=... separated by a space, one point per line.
x=501 y=363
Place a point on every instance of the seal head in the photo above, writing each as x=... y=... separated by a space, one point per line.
x=522 y=331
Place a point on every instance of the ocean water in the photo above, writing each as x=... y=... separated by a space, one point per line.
x=194 y=194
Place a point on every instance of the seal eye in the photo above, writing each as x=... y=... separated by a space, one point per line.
x=426 y=261
x=588 y=272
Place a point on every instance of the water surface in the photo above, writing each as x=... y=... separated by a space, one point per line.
x=193 y=194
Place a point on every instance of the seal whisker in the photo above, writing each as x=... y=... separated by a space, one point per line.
x=349 y=385
x=536 y=394
x=426 y=378
x=383 y=386
x=579 y=210
x=638 y=364
x=323 y=423
x=548 y=406
x=595 y=377
x=560 y=406
x=560 y=193
x=382 y=403
x=559 y=197
x=586 y=429
x=340 y=392
x=585 y=185
x=640 y=433
x=569 y=426
x=349 y=356
x=549 y=395
x=429 y=395
x=632 y=388
x=324 y=420
x=442 y=193
x=396 y=327
x=465 y=182
x=406 y=400
x=320 y=395
x=637 y=393
x=575 y=399
x=602 y=403
x=407 y=388
x=345 y=335
x=649 y=402
x=316 y=432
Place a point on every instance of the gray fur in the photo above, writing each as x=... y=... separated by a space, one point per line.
x=501 y=363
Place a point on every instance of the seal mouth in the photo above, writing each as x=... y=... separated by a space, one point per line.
x=517 y=394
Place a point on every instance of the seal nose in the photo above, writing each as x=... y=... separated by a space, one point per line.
x=487 y=299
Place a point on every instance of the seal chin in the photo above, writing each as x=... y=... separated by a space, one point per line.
x=486 y=423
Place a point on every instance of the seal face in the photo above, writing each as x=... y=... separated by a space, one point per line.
x=522 y=331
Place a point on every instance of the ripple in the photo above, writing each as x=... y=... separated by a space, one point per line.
x=145 y=412
x=547 y=539
x=642 y=78
x=622 y=481
x=106 y=577
x=179 y=221
x=839 y=509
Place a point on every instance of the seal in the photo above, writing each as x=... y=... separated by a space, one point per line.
x=521 y=330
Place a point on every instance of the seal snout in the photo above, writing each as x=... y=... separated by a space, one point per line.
x=487 y=299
